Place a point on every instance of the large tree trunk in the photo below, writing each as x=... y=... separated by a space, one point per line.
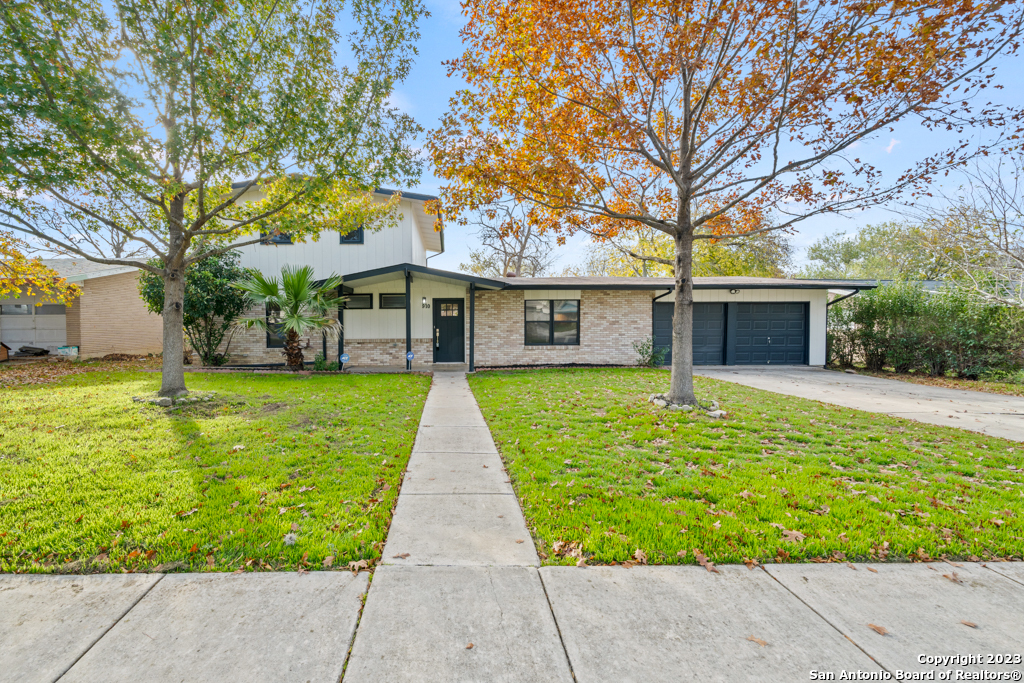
x=681 y=389
x=173 y=379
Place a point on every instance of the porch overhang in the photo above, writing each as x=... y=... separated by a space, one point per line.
x=398 y=272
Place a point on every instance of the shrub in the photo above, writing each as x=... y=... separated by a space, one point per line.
x=648 y=355
x=906 y=328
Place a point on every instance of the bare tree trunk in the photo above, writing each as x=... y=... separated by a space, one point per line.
x=293 y=352
x=173 y=378
x=681 y=387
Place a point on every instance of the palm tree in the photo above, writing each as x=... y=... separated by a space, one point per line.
x=296 y=304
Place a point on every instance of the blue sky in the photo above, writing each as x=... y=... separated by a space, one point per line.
x=426 y=93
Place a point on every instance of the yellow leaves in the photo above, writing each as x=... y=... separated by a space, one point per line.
x=21 y=276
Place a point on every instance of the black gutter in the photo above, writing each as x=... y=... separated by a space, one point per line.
x=423 y=270
x=842 y=298
x=377 y=190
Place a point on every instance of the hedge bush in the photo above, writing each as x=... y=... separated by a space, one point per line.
x=907 y=328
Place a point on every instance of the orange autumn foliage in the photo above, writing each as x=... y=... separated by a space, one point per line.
x=710 y=119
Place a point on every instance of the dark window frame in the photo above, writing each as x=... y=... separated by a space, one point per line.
x=551 y=323
x=280 y=238
x=271 y=344
x=358 y=239
x=368 y=297
x=381 y=306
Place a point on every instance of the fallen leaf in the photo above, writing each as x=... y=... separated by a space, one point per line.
x=880 y=630
x=134 y=554
x=873 y=499
x=295 y=527
x=750 y=563
x=681 y=553
x=871 y=569
x=150 y=554
x=968 y=623
x=842 y=538
x=519 y=540
x=953 y=577
x=640 y=556
x=702 y=560
x=755 y=639
x=210 y=560
x=581 y=563
x=237 y=448
x=401 y=556
x=792 y=536
x=356 y=565
x=745 y=494
x=470 y=646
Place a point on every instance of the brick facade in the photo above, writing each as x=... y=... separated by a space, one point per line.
x=110 y=317
x=249 y=347
x=610 y=321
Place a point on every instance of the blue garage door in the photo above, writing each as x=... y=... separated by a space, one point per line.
x=771 y=334
x=708 y=332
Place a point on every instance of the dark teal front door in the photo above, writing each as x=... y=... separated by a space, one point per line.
x=449 y=331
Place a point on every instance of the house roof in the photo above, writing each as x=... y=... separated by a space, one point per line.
x=79 y=269
x=588 y=282
x=397 y=271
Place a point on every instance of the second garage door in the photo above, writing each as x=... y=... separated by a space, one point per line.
x=708 y=332
x=771 y=334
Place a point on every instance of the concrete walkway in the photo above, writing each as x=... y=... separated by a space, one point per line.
x=458 y=597
x=992 y=414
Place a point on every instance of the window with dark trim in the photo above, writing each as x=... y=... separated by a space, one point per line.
x=392 y=301
x=357 y=301
x=353 y=237
x=552 y=322
x=51 y=309
x=16 y=309
x=275 y=340
x=279 y=238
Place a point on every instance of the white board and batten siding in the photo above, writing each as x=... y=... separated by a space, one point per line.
x=817 y=298
x=329 y=256
x=376 y=323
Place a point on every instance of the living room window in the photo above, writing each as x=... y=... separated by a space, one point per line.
x=358 y=301
x=552 y=322
x=275 y=339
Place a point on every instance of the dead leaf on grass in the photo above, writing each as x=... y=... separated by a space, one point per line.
x=640 y=556
x=793 y=536
x=295 y=526
x=750 y=563
x=755 y=639
x=880 y=630
x=356 y=565
x=702 y=560
x=328 y=561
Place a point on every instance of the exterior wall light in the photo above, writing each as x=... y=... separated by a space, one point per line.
x=425 y=304
x=734 y=291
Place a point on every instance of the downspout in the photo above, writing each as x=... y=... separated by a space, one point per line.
x=472 y=324
x=408 y=319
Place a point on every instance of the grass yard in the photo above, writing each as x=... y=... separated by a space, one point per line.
x=604 y=474
x=277 y=472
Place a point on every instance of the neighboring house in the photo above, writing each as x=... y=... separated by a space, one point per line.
x=398 y=304
x=108 y=317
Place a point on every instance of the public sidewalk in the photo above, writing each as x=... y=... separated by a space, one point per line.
x=459 y=596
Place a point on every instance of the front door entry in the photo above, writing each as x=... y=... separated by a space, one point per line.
x=449 y=331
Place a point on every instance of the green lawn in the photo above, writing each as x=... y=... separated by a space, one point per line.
x=782 y=479
x=91 y=481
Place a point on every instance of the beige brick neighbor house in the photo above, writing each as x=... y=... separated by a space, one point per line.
x=402 y=312
x=109 y=316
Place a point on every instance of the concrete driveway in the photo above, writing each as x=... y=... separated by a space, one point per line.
x=992 y=414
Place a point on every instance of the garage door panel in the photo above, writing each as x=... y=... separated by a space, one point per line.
x=708 y=332
x=783 y=340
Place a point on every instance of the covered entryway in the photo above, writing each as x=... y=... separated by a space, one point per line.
x=708 y=332
x=739 y=333
x=449 y=331
x=771 y=334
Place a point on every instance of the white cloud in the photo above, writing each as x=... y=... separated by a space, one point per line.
x=892 y=144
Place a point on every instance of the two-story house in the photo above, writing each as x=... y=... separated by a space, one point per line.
x=398 y=305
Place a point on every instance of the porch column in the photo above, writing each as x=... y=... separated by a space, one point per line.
x=472 y=323
x=408 y=319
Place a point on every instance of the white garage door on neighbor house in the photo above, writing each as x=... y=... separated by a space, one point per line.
x=23 y=323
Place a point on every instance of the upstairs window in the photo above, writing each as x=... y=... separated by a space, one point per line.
x=353 y=237
x=280 y=238
x=392 y=301
x=552 y=322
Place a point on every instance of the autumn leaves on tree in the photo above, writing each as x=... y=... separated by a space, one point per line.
x=710 y=120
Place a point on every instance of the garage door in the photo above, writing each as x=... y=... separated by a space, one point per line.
x=708 y=332
x=25 y=324
x=771 y=334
